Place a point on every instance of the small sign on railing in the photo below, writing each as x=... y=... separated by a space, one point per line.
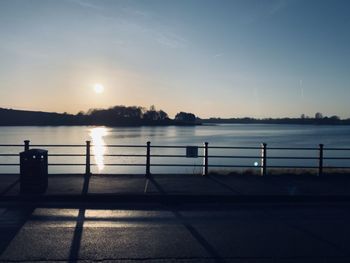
x=191 y=151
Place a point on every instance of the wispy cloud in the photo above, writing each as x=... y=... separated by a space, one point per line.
x=218 y=55
x=147 y=23
x=262 y=11
x=137 y=21
x=278 y=6
x=136 y=12
x=86 y=4
x=170 y=40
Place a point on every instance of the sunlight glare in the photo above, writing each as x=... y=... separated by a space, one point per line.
x=99 y=146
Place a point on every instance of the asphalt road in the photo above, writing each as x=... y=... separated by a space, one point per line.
x=182 y=233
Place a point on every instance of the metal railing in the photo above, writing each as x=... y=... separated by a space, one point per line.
x=264 y=156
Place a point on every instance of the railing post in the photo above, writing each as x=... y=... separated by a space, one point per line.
x=263 y=159
x=148 y=159
x=26 y=145
x=205 y=160
x=87 y=164
x=320 y=160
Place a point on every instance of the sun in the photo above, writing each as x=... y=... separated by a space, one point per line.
x=98 y=88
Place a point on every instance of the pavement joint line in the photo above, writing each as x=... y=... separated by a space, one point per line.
x=164 y=197
x=225 y=185
x=146 y=186
x=283 y=220
x=3 y=193
x=324 y=259
x=315 y=236
x=157 y=186
x=198 y=237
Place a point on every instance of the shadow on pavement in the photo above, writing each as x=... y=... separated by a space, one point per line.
x=9 y=187
x=78 y=231
x=195 y=234
x=14 y=218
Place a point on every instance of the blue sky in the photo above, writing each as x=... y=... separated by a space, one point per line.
x=266 y=58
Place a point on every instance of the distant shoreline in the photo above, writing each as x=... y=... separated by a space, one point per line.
x=118 y=116
x=94 y=125
x=282 y=121
x=122 y=116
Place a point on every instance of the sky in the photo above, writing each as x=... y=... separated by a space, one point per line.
x=234 y=58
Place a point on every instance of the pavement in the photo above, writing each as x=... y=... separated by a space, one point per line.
x=178 y=185
x=177 y=218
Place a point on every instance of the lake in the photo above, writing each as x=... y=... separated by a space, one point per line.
x=240 y=135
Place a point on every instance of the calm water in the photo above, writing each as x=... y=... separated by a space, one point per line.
x=216 y=135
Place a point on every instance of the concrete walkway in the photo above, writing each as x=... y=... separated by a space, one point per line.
x=130 y=218
x=187 y=185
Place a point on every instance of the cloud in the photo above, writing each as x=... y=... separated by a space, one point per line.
x=278 y=6
x=136 y=12
x=262 y=11
x=86 y=4
x=218 y=55
x=169 y=39
x=137 y=22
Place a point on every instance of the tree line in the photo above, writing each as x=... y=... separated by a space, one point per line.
x=318 y=119
x=114 y=116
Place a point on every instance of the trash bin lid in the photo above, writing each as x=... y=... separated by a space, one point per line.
x=34 y=152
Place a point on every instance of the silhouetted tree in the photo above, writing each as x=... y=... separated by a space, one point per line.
x=163 y=115
x=185 y=117
x=335 y=117
x=318 y=115
x=114 y=116
x=153 y=115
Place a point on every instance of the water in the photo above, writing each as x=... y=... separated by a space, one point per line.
x=240 y=135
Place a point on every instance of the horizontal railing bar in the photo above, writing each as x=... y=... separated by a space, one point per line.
x=64 y=154
x=267 y=157
x=68 y=164
x=336 y=167
x=336 y=149
x=290 y=166
x=123 y=155
x=336 y=158
x=58 y=145
x=177 y=165
x=11 y=145
x=292 y=158
x=295 y=148
x=233 y=166
x=94 y=164
x=104 y=155
x=234 y=156
x=124 y=164
x=9 y=154
x=175 y=146
x=186 y=165
x=259 y=167
x=235 y=147
x=173 y=155
x=184 y=156
x=190 y=165
x=123 y=146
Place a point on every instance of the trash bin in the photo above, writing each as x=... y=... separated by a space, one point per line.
x=33 y=171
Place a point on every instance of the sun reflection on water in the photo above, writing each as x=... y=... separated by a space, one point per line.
x=99 y=145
